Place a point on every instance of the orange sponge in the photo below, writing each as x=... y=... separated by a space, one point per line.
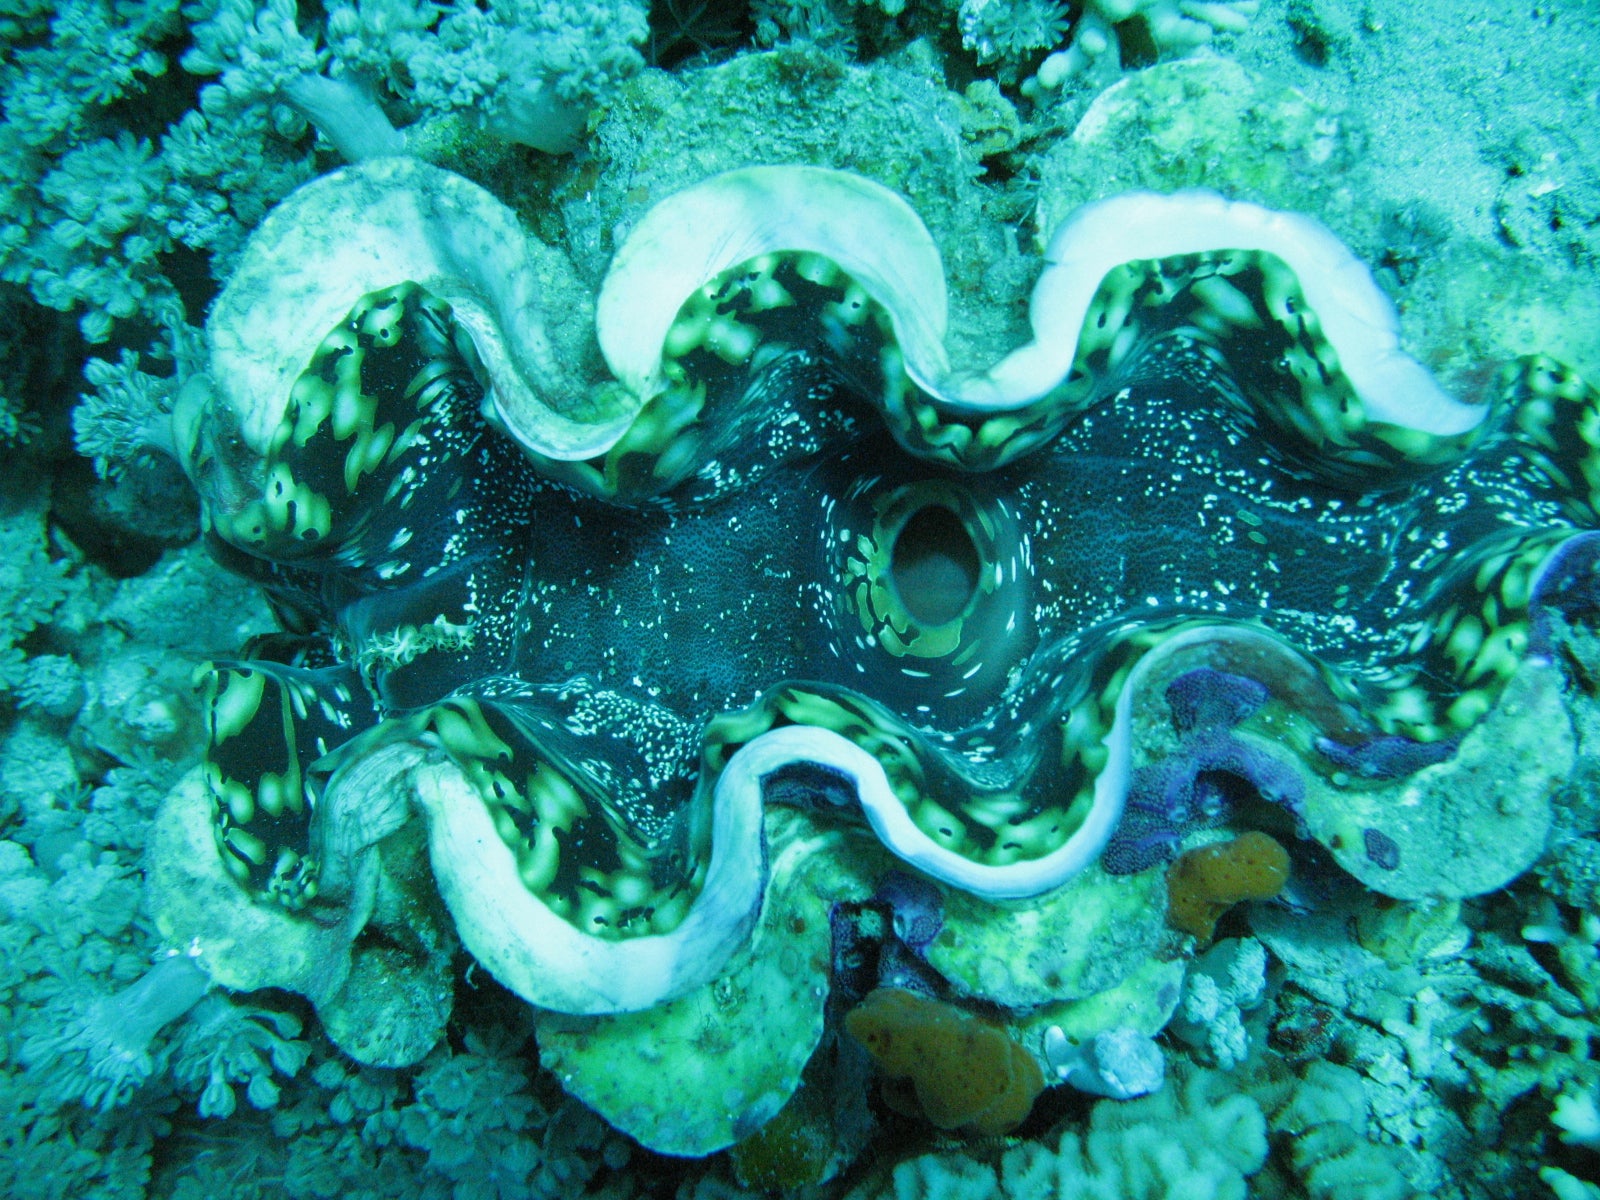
x=966 y=1072
x=1206 y=882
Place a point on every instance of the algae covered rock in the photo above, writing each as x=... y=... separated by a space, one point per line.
x=1068 y=944
x=1465 y=826
x=699 y=1073
x=1203 y=122
x=383 y=1001
x=893 y=121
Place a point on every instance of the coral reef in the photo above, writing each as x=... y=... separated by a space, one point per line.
x=938 y=573
x=656 y=637
x=1224 y=983
x=665 y=893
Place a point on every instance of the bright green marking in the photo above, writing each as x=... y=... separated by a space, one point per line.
x=1227 y=302
x=291 y=509
x=428 y=375
x=352 y=410
x=1464 y=641
x=233 y=796
x=1467 y=708
x=730 y=339
x=853 y=308
x=236 y=705
x=558 y=807
x=383 y=319
x=1280 y=289
x=464 y=733
x=310 y=402
x=766 y=293
x=996 y=432
x=246 y=845
x=817 y=269
x=1516 y=588
x=406 y=439
x=940 y=824
x=1498 y=655
x=685 y=334
x=366 y=455
x=231 y=862
x=278 y=792
x=936 y=641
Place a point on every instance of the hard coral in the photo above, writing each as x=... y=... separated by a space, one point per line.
x=1205 y=882
x=966 y=1073
x=1197 y=1137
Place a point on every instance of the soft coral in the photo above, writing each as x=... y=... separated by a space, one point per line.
x=103 y=1051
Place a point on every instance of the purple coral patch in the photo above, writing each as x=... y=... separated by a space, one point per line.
x=1200 y=785
x=1387 y=757
x=915 y=907
x=1382 y=850
x=1206 y=698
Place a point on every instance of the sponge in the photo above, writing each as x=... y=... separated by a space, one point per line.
x=1206 y=882
x=966 y=1072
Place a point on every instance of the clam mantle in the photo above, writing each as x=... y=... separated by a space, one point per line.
x=628 y=665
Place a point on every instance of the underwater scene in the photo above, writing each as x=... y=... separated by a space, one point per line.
x=916 y=599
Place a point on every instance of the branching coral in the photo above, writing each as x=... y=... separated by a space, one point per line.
x=89 y=209
x=488 y=1132
x=122 y=807
x=1169 y=28
x=90 y=212
x=1002 y=29
x=1320 y=1119
x=529 y=71
x=224 y=1043
x=1493 y=1017
x=1223 y=984
x=69 y=940
x=32 y=582
x=83 y=213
